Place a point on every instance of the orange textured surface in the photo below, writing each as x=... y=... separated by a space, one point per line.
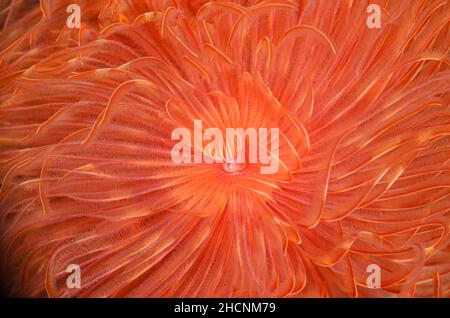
x=86 y=117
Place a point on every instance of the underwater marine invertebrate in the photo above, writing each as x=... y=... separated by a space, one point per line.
x=87 y=175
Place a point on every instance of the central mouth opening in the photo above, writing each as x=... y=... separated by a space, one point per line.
x=234 y=167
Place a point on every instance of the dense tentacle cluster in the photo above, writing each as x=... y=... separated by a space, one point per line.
x=87 y=176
